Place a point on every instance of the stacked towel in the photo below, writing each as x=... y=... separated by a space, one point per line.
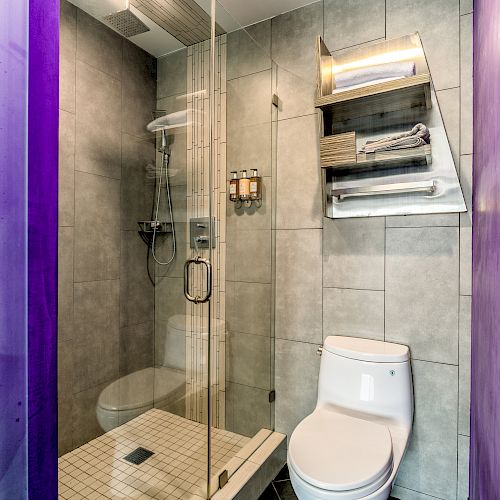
x=419 y=135
x=373 y=73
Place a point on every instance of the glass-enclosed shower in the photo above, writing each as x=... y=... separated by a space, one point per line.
x=166 y=288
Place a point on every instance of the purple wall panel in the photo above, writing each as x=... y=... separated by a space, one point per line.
x=485 y=383
x=13 y=247
x=43 y=103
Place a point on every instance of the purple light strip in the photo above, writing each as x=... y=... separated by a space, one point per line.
x=43 y=104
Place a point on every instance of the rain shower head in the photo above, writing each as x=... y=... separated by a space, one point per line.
x=166 y=122
x=126 y=22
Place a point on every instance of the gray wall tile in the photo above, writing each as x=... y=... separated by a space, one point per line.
x=296 y=95
x=138 y=89
x=424 y=220
x=249 y=147
x=421 y=291
x=98 y=119
x=353 y=22
x=449 y=104
x=92 y=37
x=248 y=256
x=298 y=191
x=463 y=468
x=249 y=100
x=97 y=234
x=172 y=71
x=430 y=463
x=296 y=382
x=405 y=494
x=65 y=284
x=136 y=347
x=247 y=409
x=298 y=285
x=169 y=298
x=67 y=56
x=248 y=359
x=249 y=50
x=95 y=349
x=248 y=307
x=466 y=112
x=466 y=6
x=353 y=253
x=354 y=313
x=66 y=191
x=464 y=350
x=136 y=289
x=438 y=25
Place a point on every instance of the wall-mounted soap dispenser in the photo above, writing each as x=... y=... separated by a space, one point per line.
x=255 y=186
x=234 y=191
x=244 y=191
x=244 y=186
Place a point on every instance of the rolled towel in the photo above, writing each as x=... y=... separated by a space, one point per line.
x=419 y=135
x=371 y=73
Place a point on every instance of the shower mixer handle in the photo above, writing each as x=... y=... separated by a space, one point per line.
x=196 y=298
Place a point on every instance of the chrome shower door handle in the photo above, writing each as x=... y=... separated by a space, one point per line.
x=197 y=299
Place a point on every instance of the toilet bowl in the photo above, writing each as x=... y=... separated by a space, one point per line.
x=350 y=447
x=161 y=387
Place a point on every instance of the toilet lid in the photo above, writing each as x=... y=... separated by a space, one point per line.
x=141 y=388
x=337 y=452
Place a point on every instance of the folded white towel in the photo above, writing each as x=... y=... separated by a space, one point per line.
x=377 y=72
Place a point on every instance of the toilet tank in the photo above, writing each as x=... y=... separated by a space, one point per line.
x=367 y=375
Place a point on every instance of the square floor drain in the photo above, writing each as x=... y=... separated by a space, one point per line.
x=138 y=456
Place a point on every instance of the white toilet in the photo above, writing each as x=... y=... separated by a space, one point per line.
x=352 y=444
x=159 y=387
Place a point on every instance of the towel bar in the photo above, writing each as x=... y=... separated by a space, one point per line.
x=394 y=188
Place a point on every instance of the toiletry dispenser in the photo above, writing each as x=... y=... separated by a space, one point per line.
x=255 y=186
x=244 y=186
x=234 y=191
x=246 y=191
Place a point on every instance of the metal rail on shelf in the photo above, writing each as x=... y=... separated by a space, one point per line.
x=394 y=188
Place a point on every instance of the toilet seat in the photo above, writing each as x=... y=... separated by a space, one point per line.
x=339 y=453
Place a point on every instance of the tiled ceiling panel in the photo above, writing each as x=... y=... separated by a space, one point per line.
x=183 y=19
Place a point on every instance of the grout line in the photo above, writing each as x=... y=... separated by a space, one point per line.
x=275 y=490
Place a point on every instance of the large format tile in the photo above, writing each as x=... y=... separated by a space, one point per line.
x=249 y=50
x=430 y=463
x=248 y=307
x=66 y=188
x=296 y=95
x=138 y=89
x=353 y=22
x=65 y=284
x=96 y=339
x=138 y=183
x=423 y=220
x=248 y=359
x=353 y=313
x=298 y=192
x=247 y=409
x=466 y=85
x=136 y=347
x=249 y=147
x=463 y=468
x=98 y=45
x=172 y=74
x=169 y=298
x=421 y=283
x=299 y=285
x=97 y=229
x=400 y=493
x=249 y=100
x=67 y=56
x=248 y=256
x=136 y=288
x=98 y=122
x=466 y=6
x=353 y=253
x=449 y=105
x=464 y=372
x=438 y=25
x=296 y=382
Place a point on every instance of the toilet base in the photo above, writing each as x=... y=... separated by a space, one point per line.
x=306 y=491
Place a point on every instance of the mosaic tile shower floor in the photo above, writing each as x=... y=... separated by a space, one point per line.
x=97 y=470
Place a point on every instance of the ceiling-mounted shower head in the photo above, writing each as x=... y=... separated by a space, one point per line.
x=126 y=22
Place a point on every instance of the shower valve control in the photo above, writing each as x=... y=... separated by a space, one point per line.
x=199 y=233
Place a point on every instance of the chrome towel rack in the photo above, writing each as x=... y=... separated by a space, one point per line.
x=382 y=189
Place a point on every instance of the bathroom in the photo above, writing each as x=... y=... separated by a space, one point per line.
x=191 y=236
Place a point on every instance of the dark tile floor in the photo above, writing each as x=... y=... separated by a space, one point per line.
x=281 y=488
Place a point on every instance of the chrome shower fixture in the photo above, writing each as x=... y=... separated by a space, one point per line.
x=126 y=22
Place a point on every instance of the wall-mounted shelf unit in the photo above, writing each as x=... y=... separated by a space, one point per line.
x=413 y=180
